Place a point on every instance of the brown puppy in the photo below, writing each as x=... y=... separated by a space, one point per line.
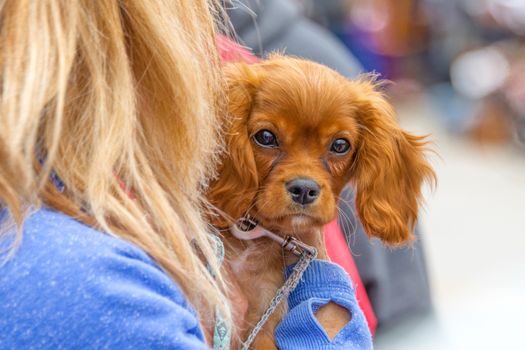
x=298 y=133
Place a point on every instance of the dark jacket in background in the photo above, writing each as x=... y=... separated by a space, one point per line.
x=279 y=25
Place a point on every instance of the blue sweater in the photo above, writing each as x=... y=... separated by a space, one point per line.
x=71 y=287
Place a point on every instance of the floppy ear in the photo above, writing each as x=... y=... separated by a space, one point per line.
x=389 y=168
x=234 y=189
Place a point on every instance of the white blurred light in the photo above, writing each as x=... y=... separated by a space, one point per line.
x=478 y=73
x=509 y=3
x=368 y=18
x=510 y=13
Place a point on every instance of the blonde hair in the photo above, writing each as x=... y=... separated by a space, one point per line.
x=116 y=96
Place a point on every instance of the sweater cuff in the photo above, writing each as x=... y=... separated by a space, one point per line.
x=300 y=330
x=322 y=279
x=321 y=283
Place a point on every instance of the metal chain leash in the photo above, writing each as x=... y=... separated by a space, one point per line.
x=306 y=257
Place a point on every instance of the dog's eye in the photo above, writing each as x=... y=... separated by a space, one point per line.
x=340 y=146
x=265 y=138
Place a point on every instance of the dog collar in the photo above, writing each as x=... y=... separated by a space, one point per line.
x=248 y=228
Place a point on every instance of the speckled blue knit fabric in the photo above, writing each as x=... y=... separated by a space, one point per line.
x=322 y=282
x=71 y=287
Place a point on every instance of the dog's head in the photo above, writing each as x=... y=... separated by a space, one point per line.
x=298 y=133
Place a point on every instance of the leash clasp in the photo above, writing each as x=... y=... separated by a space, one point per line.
x=297 y=247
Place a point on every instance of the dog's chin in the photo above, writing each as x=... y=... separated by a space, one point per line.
x=292 y=224
x=300 y=222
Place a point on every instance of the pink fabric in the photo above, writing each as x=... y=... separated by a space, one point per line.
x=339 y=253
x=232 y=52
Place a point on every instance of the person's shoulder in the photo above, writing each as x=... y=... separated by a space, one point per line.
x=57 y=246
x=64 y=236
x=68 y=283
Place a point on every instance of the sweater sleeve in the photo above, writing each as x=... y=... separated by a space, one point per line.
x=70 y=287
x=137 y=306
x=321 y=283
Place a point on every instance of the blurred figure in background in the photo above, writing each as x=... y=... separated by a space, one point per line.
x=275 y=25
x=440 y=48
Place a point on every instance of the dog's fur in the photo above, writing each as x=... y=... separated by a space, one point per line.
x=307 y=106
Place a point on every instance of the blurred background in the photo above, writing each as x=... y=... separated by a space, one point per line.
x=458 y=73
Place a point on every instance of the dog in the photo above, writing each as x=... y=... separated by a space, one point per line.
x=296 y=133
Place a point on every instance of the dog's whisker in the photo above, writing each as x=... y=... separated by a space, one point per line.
x=348 y=220
x=349 y=229
x=262 y=206
x=346 y=223
x=342 y=220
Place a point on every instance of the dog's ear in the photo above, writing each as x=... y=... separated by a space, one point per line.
x=389 y=168
x=234 y=189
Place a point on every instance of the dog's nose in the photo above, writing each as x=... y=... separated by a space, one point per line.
x=303 y=191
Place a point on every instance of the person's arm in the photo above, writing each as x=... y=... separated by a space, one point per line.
x=139 y=307
x=69 y=286
x=322 y=284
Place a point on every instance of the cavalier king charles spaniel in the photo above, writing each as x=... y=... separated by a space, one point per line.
x=297 y=133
